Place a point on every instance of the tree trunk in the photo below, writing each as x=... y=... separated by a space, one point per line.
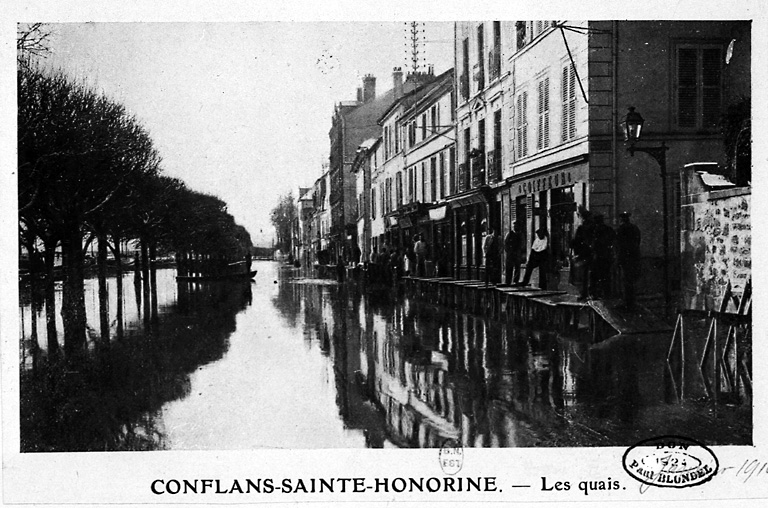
x=119 y=280
x=101 y=258
x=145 y=278
x=153 y=277
x=50 y=296
x=73 y=297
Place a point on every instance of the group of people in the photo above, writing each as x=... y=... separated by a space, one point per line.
x=410 y=261
x=594 y=248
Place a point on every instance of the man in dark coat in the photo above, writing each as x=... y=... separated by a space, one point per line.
x=602 y=258
x=582 y=251
x=512 y=246
x=628 y=257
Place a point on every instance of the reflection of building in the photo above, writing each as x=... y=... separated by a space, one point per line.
x=365 y=161
x=302 y=239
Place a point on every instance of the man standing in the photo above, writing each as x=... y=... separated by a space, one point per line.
x=582 y=252
x=602 y=257
x=628 y=257
x=420 y=249
x=538 y=257
x=491 y=253
x=512 y=244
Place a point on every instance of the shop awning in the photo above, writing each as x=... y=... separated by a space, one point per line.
x=474 y=197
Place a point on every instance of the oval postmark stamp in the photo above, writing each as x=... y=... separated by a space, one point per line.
x=451 y=456
x=670 y=461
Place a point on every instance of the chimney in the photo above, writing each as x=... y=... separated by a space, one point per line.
x=397 y=81
x=359 y=94
x=369 y=88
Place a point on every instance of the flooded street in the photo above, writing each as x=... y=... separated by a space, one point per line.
x=292 y=362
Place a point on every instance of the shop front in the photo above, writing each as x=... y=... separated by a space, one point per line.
x=547 y=199
x=470 y=211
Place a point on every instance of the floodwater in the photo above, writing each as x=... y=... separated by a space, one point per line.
x=294 y=362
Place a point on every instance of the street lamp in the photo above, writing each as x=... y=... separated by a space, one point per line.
x=632 y=126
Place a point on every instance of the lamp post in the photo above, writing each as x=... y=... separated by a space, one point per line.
x=632 y=126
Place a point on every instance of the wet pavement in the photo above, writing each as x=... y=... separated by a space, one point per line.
x=294 y=362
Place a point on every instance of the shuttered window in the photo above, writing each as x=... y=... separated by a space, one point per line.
x=568 y=95
x=699 y=86
x=542 y=139
x=433 y=179
x=443 y=176
x=521 y=120
x=373 y=203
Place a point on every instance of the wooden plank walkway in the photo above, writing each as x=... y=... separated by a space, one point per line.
x=526 y=305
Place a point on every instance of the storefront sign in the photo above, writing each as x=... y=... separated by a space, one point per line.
x=546 y=182
x=438 y=213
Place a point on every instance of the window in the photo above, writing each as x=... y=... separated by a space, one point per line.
x=542 y=139
x=443 y=182
x=423 y=182
x=386 y=196
x=521 y=120
x=397 y=139
x=399 y=188
x=480 y=76
x=452 y=169
x=433 y=118
x=496 y=169
x=411 y=186
x=464 y=77
x=494 y=60
x=520 y=29
x=373 y=203
x=568 y=126
x=698 y=83
x=423 y=126
x=433 y=179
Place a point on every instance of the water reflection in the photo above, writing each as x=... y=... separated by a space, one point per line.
x=291 y=362
x=411 y=374
x=109 y=398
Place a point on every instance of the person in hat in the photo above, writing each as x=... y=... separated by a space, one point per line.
x=512 y=246
x=628 y=257
x=491 y=253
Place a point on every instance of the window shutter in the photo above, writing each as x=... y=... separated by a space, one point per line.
x=564 y=126
x=572 y=100
x=542 y=140
x=529 y=207
x=525 y=123
x=710 y=80
x=546 y=112
x=686 y=87
x=540 y=111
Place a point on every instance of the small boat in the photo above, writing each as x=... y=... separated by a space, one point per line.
x=223 y=277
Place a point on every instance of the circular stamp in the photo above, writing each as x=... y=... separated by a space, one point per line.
x=670 y=461
x=451 y=457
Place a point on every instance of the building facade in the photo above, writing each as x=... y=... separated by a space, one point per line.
x=482 y=52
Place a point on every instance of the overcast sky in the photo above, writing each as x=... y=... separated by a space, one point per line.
x=240 y=110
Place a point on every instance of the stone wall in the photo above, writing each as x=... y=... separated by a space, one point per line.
x=716 y=246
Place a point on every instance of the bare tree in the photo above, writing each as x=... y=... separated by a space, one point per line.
x=31 y=42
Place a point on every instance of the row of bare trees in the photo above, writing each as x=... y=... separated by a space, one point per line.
x=88 y=173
